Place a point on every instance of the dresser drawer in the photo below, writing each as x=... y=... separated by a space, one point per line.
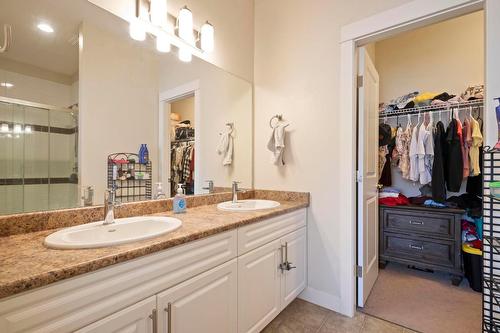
x=434 y=225
x=431 y=252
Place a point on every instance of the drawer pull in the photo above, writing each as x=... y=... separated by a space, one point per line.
x=416 y=247
x=416 y=222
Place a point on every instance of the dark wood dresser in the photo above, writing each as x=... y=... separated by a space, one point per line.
x=427 y=238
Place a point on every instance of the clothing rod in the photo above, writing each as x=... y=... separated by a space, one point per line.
x=182 y=140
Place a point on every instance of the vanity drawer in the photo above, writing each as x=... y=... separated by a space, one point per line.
x=436 y=225
x=257 y=234
x=431 y=252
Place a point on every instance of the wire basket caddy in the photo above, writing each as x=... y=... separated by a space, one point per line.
x=131 y=179
x=491 y=242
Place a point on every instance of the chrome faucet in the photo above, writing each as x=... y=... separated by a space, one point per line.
x=110 y=203
x=235 y=191
x=210 y=186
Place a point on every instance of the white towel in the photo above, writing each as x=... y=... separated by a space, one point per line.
x=276 y=144
x=226 y=147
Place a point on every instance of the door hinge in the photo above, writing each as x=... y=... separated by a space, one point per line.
x=360 y=81
x=359 y=271
x=359 y=177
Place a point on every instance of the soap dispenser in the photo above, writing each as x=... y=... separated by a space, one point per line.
x=180 y=200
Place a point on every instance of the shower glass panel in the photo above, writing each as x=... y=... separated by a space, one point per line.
x=38 y=158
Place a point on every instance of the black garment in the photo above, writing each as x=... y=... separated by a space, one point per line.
x=454 y=167
x=438 y=180
x=384 y=134
x=475 y=183
x=469 y=202
x=443 y=97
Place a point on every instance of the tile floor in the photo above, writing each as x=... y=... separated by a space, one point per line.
x=303 y=317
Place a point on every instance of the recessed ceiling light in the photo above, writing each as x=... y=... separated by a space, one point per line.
x=45 y=27
x=6 y=84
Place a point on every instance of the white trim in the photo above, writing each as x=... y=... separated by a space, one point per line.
x=408 y=16
x=165 y=97
x=415 y=14
x=322 y=299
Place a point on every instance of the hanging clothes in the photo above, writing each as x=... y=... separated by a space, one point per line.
x=404 y=164
x=466 y=144
x=425 y=153
x=454 y=165
x=414 y=173
x=477 y=141
x=438 y=166
x=182 y=166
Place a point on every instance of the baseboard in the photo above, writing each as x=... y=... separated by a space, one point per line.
x=323 y=299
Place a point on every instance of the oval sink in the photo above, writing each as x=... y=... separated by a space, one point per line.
x=247 y=205
x=126 y=230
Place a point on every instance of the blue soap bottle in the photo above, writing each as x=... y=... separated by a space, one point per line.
x=179 y=200
x=497 y=109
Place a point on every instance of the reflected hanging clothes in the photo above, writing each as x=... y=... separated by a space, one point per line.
x=454 y=164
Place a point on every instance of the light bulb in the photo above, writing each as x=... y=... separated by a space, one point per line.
x=18 y=128
x=159 y=12
x=4 y=128
x=6 y=84
x=45 y=27
x=186 y=25
x=27 y=129
x=137 y=30
x=207 y=37
x=162 y=42
x=185 y=54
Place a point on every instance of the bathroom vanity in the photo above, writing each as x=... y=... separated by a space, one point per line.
x=220 y=272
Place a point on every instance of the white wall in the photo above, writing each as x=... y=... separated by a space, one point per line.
x=118 y=102
x=433 y=58
x=493 y=68
x=233 y=22
x=297 y=66
x=223 y=98
x=33 y=89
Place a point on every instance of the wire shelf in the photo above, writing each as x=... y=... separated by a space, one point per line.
x=475 y=104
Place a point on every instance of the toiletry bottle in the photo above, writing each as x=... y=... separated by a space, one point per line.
x=497 y=146
x=145 y=154
x=179 y=200
x=141 y=154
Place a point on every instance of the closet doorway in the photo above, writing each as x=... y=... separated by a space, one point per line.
x=420 y=123
x=178 y=118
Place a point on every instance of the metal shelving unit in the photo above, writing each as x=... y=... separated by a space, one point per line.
x=129 y=187
x=491 y=243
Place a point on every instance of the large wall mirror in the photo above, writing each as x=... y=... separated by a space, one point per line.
x=79 y=99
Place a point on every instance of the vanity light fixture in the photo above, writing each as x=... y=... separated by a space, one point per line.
x=207 y=37
x=6 y=84
x=27 y=129
x=151 y=17
x=45 y=27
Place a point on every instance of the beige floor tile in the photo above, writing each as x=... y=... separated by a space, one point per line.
x=375 y=325
x=337 y=323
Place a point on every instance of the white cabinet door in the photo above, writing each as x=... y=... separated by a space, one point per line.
x=294 y=280
x=137 y=318
x=259 y=283
x=207 y=303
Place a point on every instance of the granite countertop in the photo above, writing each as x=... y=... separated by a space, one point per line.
x=27 y=264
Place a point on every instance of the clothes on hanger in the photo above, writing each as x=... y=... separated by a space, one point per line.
x=182 y=166
x=453 y=154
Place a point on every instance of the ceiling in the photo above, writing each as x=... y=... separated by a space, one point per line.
x=56 y=52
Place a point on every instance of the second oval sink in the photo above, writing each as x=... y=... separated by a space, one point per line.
x=125 y=230
x=247 y=205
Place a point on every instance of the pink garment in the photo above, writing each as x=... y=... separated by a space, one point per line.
x=466 y=143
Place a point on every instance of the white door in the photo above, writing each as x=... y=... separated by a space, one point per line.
x=259 y=281
x=207 y=303
x=368 y=175
x=294 y=280
x=137 y=318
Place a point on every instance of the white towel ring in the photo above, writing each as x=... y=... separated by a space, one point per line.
x=278 y=117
